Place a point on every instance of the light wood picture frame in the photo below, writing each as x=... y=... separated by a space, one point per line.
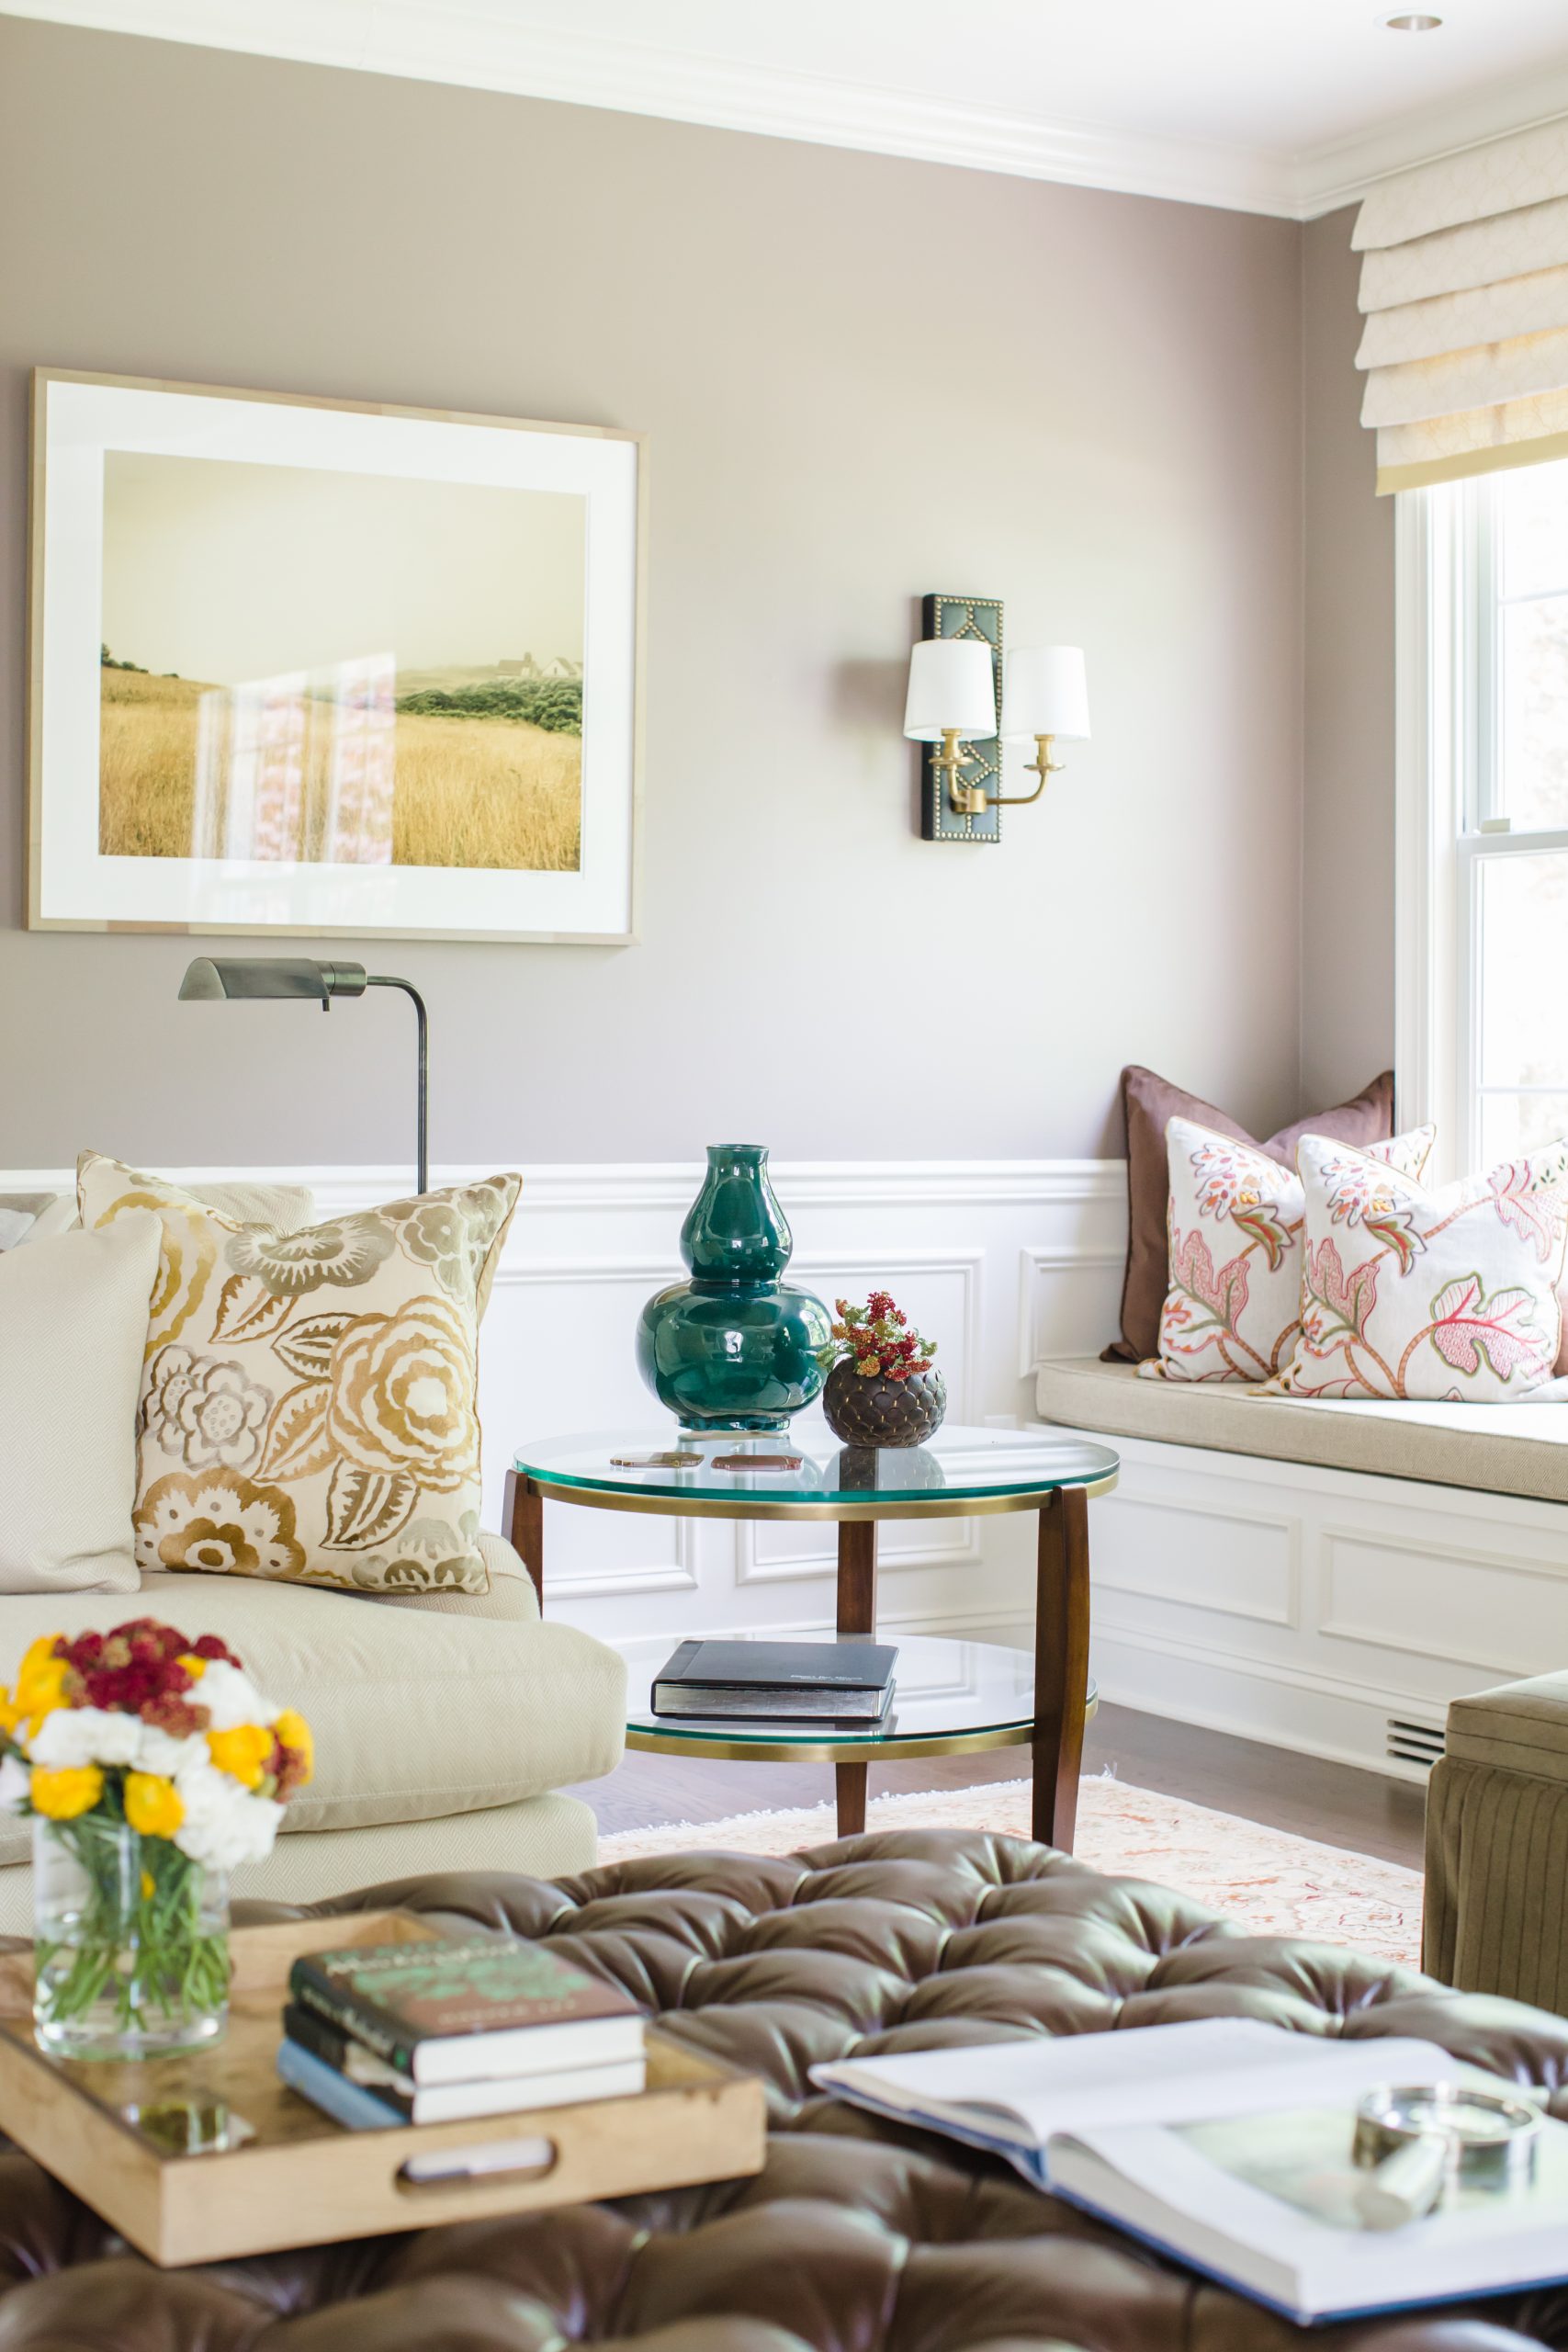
x=324 y=668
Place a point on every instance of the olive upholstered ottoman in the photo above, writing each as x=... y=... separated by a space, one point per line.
x=857 y=2236
x=1497 y=1911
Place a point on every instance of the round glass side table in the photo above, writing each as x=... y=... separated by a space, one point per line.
x=950 y=1696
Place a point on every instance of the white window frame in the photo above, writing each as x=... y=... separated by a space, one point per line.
x=1448 y=818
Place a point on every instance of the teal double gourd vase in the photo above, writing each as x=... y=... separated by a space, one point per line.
x=734 y=1347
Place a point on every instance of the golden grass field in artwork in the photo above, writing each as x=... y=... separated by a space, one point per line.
x=470 y=791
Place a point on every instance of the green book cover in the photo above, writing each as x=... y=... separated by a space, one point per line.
x=394 y=1996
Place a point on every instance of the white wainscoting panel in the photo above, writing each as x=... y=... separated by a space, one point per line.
x=978 y=1253
x=1287 y=1603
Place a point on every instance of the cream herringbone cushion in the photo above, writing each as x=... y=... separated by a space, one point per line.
x=308 y=1408
x=72 y=1326
x=417 y=1712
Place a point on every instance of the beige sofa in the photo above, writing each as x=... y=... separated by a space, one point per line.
x=446 y=1724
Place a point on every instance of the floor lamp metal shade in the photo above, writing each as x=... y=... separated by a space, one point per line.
x=220 y=979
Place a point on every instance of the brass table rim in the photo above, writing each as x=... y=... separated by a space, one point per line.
x=838 y=1751
x=750 y=1505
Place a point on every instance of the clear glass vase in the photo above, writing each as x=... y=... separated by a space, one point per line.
x=131 y=1942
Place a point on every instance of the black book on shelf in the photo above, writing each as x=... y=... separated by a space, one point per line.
x=829 y=1682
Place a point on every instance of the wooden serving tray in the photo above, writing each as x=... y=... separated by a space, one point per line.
x=305 y=2180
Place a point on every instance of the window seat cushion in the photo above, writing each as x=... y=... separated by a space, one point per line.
x=1498 y=1449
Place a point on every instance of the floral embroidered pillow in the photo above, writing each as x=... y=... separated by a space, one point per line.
x=1448 y=1294
x=1234 y=1307
x=307 y=1403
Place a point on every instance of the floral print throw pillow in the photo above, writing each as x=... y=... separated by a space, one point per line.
x=1447 y=1296
x=308 y=1402
x=1234 y=1307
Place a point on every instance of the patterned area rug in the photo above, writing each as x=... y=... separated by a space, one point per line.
x=1269 y=1883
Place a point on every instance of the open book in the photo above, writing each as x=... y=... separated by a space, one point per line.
x=1226 y=2143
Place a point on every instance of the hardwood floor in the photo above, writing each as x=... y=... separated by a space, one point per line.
x=1361 y=1811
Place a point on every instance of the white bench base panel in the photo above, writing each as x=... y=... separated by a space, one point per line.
x=1316 y=1609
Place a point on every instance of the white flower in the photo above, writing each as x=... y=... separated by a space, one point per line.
x=224 y=1825
x=15 y=1782
x=160 y=1751
x=231 y=1698
x=75 y=1735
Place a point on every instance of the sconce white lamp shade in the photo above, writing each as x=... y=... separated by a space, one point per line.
x=1044 y=694
x=951 y=690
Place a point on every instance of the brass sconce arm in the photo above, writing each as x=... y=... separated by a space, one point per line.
x=955 y=756
x=973 y=800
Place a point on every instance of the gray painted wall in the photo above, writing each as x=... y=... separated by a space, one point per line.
x=1347 y=802
x=862 y=379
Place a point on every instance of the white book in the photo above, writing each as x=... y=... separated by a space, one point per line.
x=451 y=2102
x=1226 y=2143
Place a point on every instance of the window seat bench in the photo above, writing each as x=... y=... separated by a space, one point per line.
x=1498 y=1449
x=1322 y=1574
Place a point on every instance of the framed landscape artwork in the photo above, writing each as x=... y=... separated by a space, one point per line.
x=302 y=666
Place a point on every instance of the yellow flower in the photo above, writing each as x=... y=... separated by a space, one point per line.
x=154 y=1806
x=41 y=1685
x=149 y=1886
x=241 y=1752
x=195 y=1666
x=293 y=1733
x=61 y=1796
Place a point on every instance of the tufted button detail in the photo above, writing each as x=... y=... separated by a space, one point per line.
x=858 y=2235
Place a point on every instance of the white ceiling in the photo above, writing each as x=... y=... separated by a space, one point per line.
x=1287 y=107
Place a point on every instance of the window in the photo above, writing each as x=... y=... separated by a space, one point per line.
x=1483 y=810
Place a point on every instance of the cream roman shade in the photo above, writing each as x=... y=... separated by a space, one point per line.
x=1464 y=285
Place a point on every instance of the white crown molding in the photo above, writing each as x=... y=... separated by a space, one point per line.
x=442 y=40
x=464 y=44
x=457 y=42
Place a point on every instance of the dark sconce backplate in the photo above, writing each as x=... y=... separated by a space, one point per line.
x=974 y=617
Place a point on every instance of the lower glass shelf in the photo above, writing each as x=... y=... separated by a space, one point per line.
x=948 y=1697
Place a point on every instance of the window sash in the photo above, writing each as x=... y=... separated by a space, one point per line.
x=1451 y=818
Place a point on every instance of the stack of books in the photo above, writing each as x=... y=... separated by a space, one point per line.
x=434 y=2031
x=838 y=1686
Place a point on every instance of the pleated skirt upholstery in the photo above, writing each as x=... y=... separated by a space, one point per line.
x=1497 y=1908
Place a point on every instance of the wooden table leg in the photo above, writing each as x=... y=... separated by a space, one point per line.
x=525 y=1511
x=1060 y=1664
x=856 y=1614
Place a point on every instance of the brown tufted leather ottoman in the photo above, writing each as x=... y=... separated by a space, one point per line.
x=857 y=2237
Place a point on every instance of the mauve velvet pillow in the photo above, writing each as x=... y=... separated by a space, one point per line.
x=1149 y=1103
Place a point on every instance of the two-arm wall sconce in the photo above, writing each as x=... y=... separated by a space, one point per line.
x=953 y=702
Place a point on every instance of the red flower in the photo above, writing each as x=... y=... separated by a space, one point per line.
x=135 y=1669
x=176 y=1716
x=289 y=1768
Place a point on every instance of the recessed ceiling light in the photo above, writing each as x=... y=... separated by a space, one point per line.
x=1412 y=20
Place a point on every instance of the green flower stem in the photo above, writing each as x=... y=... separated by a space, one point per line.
x=141 y=1928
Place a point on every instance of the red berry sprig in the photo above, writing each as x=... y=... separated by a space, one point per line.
x=879 y=1339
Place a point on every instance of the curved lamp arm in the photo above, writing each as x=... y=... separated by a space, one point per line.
x=422 y=1020
x=973 y=799
x=215 y=979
